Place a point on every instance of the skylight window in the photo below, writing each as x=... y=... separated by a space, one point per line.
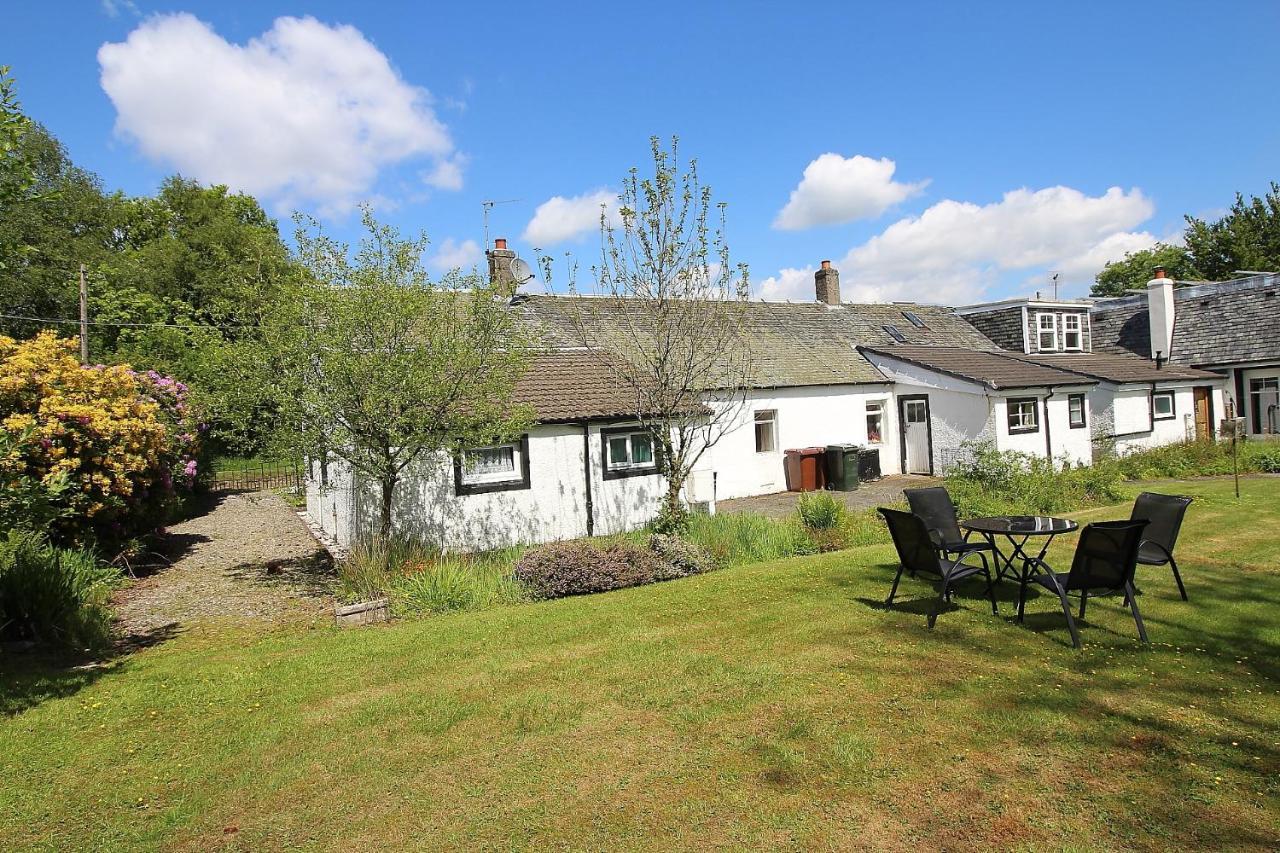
x=893 y=332
x=914 y=319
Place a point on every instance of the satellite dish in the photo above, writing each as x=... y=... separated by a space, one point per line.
x=520 y=271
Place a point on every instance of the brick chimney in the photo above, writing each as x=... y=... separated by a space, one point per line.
x=1160 y=313
x=500 y=258
x=827 y=284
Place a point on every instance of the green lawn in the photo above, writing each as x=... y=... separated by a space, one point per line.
x=772 y=705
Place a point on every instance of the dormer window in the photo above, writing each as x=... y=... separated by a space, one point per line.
x=1073 y=332
x=1047 y=331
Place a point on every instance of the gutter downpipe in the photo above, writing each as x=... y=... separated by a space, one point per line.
x=586 y=476
x=1048 y=437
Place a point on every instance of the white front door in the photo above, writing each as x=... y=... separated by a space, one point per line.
x=915 y=435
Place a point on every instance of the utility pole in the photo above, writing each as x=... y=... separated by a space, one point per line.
x=84 y=318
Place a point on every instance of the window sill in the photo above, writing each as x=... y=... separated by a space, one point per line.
x=484 y=488
x=1024 y=430
x=623 y=473
x=1164 y=417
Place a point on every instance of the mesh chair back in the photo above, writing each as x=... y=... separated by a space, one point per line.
x=934 y=506
x=1164 y=514
x=910 y=536
x=1106 y=556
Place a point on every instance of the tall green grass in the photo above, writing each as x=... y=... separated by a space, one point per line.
x=1200 y=459
x=54 y=596
x=992 y=482
x=420 y=580
x=737 y=538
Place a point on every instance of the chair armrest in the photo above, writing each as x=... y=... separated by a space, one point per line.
x=1168 y=555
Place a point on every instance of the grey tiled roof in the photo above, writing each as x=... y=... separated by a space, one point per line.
x=1116 y=367
x=996 y=370
x=794 y=343
x=1216 y=323
x=573 y=385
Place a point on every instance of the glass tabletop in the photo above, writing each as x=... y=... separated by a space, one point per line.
x=1022 y=525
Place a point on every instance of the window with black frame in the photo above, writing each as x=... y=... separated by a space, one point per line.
x=628 y=452
x=1076 y=416
x=1024 y=415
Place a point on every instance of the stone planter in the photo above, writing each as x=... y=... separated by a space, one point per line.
x=361 y=613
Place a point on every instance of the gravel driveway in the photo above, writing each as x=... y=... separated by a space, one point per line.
x=248 y=558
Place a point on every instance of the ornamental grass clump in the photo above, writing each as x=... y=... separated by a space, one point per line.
x=94 y=455
x=53 y=596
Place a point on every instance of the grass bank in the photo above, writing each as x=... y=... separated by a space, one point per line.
x=767 y=705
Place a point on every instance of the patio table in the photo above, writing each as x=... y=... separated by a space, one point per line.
x=1018 y=530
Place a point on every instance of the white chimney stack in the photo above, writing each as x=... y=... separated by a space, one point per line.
x=1160 y=313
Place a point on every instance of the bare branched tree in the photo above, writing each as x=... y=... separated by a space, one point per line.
x=666 y=316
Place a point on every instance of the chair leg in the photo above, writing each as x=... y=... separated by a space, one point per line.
x=1022 y=596
x=942 y=601
x=1071 y=623
x=888 y=602
x=1084 y=598
x=1182 y=590
x=1137 y=617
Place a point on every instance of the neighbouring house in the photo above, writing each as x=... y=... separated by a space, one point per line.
x=1137 y=401
x=913 y=382
x=1230 y=328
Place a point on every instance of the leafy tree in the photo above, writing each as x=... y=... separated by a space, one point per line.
x=1247 y=238
x=16 y=174
x=1136 y=269
x=671 y=331
x=383 y=367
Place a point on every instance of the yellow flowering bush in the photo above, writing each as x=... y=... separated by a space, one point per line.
x=112 y=448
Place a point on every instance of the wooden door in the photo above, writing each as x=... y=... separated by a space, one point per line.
x=1203 y=404
x=917 y=441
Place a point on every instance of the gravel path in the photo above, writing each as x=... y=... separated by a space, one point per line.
x=248 y=558
x=887 y=490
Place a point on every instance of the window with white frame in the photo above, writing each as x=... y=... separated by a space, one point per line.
x=495 y=467
x=628 y=452
x=1047 y=330
x=1024 y=415
x=766 y=431
x=1162 y=405
x=1264 y=404
x=1073 y=331
x=875 y=421
x=1076 y=411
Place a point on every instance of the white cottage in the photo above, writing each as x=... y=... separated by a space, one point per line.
x=910 y=382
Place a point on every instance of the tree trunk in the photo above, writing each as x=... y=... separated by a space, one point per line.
x=388 y=496
x=673 y=517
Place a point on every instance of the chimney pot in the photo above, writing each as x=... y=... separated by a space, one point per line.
x=500 y=243
x=826 y=284
x=1160 y=272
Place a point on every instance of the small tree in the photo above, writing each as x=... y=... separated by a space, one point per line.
x=381 y=367
x=668 y=323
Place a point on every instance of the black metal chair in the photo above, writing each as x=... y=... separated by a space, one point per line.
x=1105 y=560
x=1164 y=514
x=917 y=552
x=933 y=504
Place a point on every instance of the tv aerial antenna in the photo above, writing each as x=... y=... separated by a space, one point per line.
x=1054 y=279
x=488 y=205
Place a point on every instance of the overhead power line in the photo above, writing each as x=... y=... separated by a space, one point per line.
x=77 y=322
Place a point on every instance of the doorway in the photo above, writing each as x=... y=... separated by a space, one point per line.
x=916 y=433
x=1202 y=398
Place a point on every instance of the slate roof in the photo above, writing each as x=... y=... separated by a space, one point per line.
x=1216 y=323
x=996 y=370
x=1116 y=367
x=795 y=343
x=573 y=385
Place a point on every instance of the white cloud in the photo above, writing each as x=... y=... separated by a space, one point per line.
x=452 y=254
x=304 y=113
x=113 y=8
x=838 y=189
x=558 y=218
x=446 y=174
x=954 y=251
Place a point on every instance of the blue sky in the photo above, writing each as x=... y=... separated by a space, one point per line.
x=934 y=151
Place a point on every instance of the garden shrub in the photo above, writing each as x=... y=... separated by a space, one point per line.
x=55 y=596
x=992 y=482
x=94 y=454
x=1200 y=458
x=680 y=557
x=579 y=567
x=821 y=510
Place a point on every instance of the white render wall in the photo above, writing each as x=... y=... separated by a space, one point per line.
x=1124 y=414
x=552 y=508
x=807 y=417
